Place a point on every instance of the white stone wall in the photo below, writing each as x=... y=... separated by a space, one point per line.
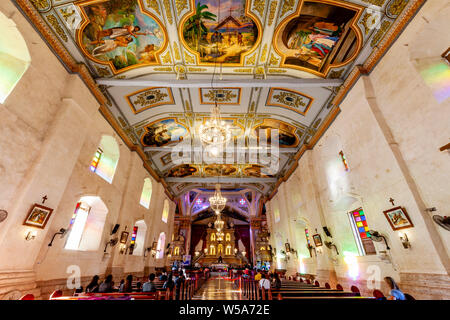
x=321 y=191
x=50 y=128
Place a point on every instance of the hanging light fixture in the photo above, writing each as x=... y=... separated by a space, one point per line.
x=217 y=201
x=215 y=133
x=218 y=224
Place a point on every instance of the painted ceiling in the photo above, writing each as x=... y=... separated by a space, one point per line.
x=129 y=42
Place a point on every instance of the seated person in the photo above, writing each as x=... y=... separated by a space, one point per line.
x=149 y=286
x=264 y=283
x=163 y=276
x=169 y=284
x=138 y=286
x=107 y=285
x=395 y=293
x=93 y=285
x=258 y=276
x=128 y=285
x=276 y=281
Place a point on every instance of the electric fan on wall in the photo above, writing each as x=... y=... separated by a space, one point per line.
x=444 y=222
x=377 y=237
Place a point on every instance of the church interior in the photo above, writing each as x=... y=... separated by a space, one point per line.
x=219 y=143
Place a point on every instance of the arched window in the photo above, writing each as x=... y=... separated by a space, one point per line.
x=165 y=215
x=14 y=57
x=176 y=252
x=213 y=236
x=146 y=194
x=141 y=230
x=106 y=158
x=228 y=250
x=86 y=226
x=228 y=237
x=212 y=250
x=161 y=245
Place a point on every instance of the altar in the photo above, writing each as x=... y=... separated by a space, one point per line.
x=220 y=266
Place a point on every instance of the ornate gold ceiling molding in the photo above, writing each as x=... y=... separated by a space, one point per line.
x=395 y=30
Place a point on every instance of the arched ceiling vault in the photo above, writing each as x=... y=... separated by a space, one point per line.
x=278 y=65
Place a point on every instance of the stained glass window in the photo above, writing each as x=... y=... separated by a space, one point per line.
x=361 y=232
x=308 y=241
x=96 y=159
x=105 y=159
x=146 y=194
x=165 y=215
x=133 y=239
x=77 y=225
x=344 y=160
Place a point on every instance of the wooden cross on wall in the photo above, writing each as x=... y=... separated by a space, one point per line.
x=392 y=201
x=44 y=198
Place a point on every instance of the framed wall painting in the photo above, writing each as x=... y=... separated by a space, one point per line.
x=38 y=216
x=317 y=240
x=124 y=237
x=287 y=247
x=398 y=218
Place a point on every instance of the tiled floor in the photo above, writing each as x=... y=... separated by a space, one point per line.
x=217 y=288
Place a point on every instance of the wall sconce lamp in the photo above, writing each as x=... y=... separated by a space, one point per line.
x=244 y=253
x=405 y=241
x=197 y=253
x=154 y=252
x=330 y=245
x=111 y=243
x=62 y=232
x=30 y=235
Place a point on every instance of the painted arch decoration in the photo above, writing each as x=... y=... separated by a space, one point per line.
x=224 y=36
x=120 y=34
x=319 y=36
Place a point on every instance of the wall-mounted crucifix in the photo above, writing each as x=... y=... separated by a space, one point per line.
x=392 y=201
x=44 y=198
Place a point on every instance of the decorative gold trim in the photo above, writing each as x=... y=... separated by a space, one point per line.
x=229 y=103
x=272 y=10
x=269 y=97
x=129 y=96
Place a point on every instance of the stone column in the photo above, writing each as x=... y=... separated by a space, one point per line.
x=48 y=176
x=436 y=240
x=325 y=269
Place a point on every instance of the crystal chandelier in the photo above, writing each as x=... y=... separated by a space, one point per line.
x=218 y=224
x=215 y=132
x=217 y=201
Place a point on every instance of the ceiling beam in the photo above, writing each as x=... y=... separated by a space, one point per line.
x=198 y=83
x=222 y=180
x=236 y=149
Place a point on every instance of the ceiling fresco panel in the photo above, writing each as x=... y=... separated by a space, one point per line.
x=183 y=40
x=220 y=35
x=120 y=34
